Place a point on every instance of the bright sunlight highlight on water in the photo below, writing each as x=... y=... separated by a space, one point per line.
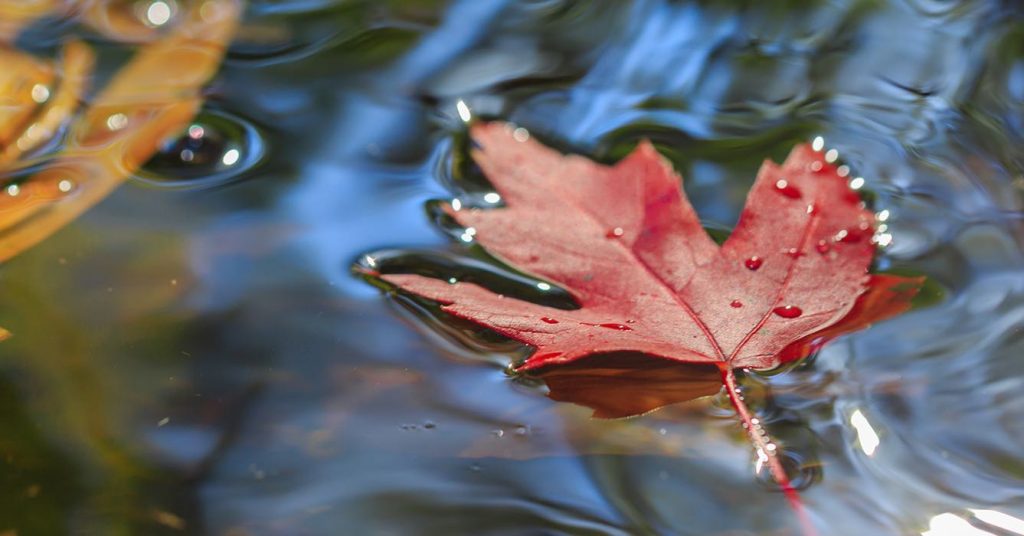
x=158 y=13
x=230 y=157
x=40 y=93
x=463 y=110
x=866 y=435
x=951 y=525
x=117 y=121
x=1001 y=520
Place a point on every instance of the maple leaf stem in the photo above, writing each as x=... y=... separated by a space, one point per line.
x=766 y=450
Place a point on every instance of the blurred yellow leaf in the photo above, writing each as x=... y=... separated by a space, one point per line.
x=52 y=110
x=129 y=22
x=24 y=82
x=151 y=99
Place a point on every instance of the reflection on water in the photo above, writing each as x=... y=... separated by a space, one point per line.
x=197 y=359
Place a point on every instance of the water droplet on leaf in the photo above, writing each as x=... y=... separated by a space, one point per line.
x=788 y=311
x=610 y=325
x=849 y=236
x=785 y=188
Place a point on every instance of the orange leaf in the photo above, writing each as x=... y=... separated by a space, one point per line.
x=150 y=100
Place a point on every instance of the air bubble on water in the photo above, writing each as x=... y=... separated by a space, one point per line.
x=217 y=147
x=802 y=473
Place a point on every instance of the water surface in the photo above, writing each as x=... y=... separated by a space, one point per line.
x=193 y=355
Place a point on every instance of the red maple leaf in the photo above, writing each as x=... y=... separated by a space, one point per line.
x=625 y=242
x=628 y=246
